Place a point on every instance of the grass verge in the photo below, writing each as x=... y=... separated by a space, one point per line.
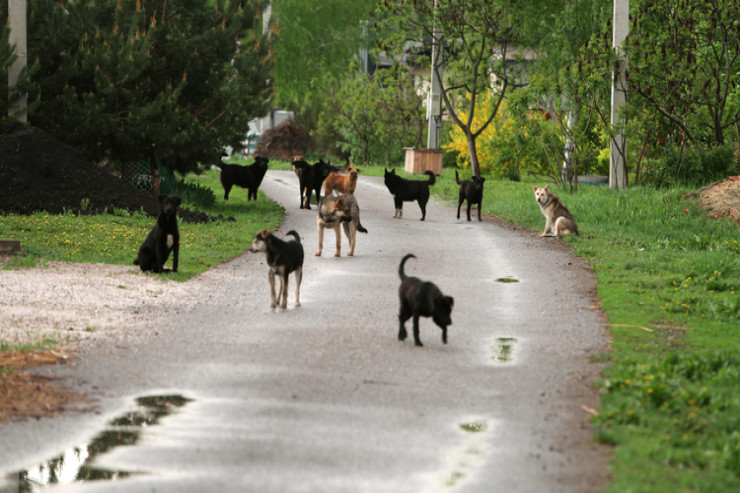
x=668 y=280
x=115 y=238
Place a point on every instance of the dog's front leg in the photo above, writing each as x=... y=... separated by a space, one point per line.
x=548 y=227
x=338 y=235
x=298 y=278
x=321 y=241
x=417 y=341
x=271 y=276
x=175 y=255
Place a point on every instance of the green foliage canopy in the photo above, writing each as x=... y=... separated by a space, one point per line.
x=128 y=80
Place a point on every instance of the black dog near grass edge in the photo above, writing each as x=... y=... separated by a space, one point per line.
x=249 y=177
x=422 y=299
x=310 y=178
x=404 y=190
x=472 y=191
x=163 y=239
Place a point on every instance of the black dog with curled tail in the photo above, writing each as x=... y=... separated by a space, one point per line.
x=422 y=299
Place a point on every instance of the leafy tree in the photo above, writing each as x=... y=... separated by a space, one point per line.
x=378 y=114
x=479 y=39
x=317 y=42
x=553 y=90
x=129 y=79
x=684 y=64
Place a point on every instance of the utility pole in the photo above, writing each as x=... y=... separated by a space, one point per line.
x=618 y=143
x=434 y=99
x=17 y=21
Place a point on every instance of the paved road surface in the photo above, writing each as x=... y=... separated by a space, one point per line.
x=324 y=398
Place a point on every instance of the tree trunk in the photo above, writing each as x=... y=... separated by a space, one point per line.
x=473 y=151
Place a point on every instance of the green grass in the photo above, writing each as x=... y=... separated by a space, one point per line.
x=115 y=238
x=668 y=280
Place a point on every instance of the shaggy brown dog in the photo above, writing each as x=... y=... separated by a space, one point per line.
x=345 y=184
x=336 y=211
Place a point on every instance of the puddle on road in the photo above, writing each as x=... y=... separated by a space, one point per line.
x=76 y=465
x=470 y=457
x=502 y=351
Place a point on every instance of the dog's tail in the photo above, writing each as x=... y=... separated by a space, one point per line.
x=401 y=273
x=432 y=177
x=294 y=234
x=457 y=178
x=360 y=227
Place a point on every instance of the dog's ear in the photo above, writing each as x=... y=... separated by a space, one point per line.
x=177 y=200
x=547 y=188
x=534 y=188
x=264 y=234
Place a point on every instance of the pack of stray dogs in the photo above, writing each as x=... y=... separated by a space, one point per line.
x=339 y=209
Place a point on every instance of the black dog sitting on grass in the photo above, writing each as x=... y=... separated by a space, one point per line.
x=249 y=177
x=163 y=239
x=422 y=299
x=472 y=191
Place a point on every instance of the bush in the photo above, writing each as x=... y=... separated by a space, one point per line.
x=693 y=166
x=197 y=195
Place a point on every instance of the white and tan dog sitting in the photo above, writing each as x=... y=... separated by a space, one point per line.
x=558 y=220
x=334 y=211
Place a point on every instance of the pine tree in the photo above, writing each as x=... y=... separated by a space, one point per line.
x=133 y=79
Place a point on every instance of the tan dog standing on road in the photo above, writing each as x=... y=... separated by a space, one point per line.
x=334 y=211
x=341 y=183
x=558 y=219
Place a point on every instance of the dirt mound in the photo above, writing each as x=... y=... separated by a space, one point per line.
x=284 y=141
x=722 y=198
x=40 y=173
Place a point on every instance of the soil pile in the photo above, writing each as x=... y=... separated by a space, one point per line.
x=40 y=173
x=284 y=141
x=722 y=198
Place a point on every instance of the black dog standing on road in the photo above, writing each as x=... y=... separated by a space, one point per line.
x=472 y=190
x=311 y=177
x=249 y=177
x=404 y=190
x=163 y=238
x=422 y=299
x=283 y=257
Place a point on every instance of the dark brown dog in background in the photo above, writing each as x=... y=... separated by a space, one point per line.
x=472 y=191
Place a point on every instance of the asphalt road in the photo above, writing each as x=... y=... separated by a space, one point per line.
x=325 y=398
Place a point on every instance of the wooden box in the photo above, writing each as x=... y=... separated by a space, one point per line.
x=421 y=160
